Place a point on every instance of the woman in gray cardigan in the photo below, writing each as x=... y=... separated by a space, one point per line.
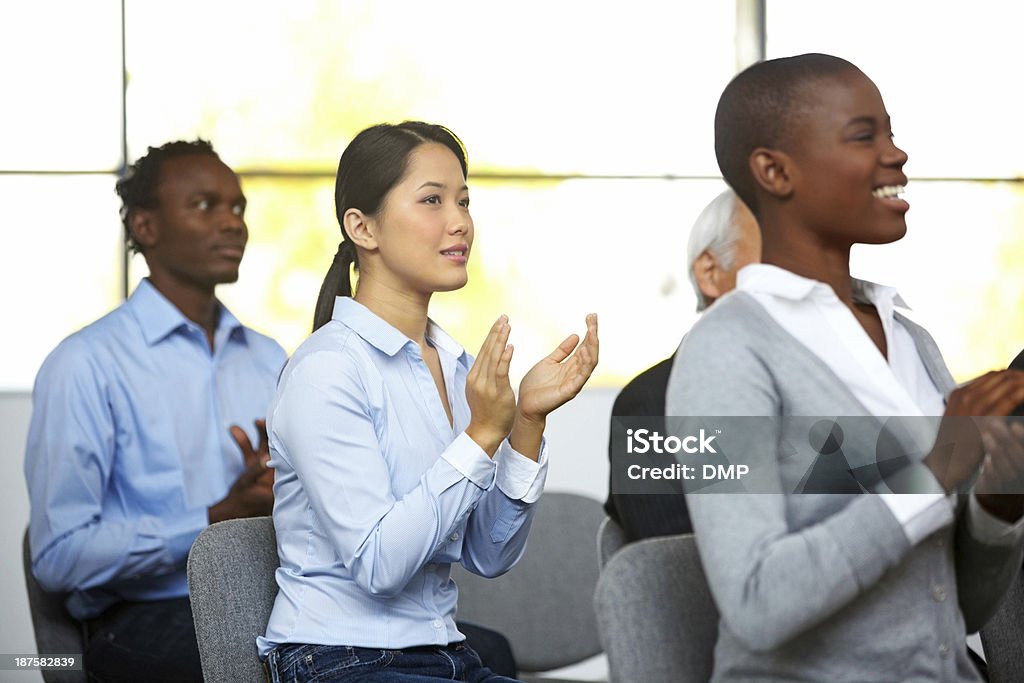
x=837 y=586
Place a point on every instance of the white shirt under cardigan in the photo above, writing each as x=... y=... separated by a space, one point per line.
x=897 y=385
x=822 y=587
x=376 y=494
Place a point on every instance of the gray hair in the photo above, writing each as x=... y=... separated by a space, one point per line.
x=715 y=230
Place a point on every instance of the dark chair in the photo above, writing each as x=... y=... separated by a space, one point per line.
x=57 y=632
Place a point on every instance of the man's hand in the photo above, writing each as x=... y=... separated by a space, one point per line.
x=252 y=494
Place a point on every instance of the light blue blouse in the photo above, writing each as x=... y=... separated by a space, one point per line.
x=376 y=495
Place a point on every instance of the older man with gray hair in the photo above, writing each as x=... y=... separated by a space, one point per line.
x=724 y=238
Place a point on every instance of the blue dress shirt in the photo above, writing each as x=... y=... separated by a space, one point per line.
x=129 y=445
x=376 y=495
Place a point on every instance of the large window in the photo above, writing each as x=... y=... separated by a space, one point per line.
x=586 y=125
x=589 y=132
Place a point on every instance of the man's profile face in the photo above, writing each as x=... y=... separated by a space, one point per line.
x=197 y=232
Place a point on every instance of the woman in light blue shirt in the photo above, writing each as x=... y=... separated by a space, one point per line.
x=396 y=453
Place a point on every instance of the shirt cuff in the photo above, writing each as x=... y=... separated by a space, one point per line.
x=466 y=456
x=916 y=478
x=519 y=477
x=920 y=514
x=991 y=530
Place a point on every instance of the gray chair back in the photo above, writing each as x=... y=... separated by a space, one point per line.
x=1003 y=637
x=543 y=605
x=657 y=619
x=610 y=537
x=231 y=583
x=57 y=632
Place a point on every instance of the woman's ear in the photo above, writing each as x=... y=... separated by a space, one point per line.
x=771 y=169
x=361 y=229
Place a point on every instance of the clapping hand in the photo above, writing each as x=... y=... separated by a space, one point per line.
x=492 y=403
x=974 y=432
x=559 y=376
x=252 y=494
x=548 y=385
x=1000 y=486
x=959 y=448
x=551 y=383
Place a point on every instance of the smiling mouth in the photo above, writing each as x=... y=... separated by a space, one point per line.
x=888 y=191
x=454 y=252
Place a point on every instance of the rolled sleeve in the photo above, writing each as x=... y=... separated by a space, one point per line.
x=519 y=477
x=466 y=456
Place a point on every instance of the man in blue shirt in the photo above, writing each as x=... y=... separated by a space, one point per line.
x=143 y=424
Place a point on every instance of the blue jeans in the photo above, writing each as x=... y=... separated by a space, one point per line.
x=344 y=664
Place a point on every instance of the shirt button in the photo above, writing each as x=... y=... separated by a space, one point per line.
x=437 y=623
x=943 y=650
x=455 y=536
x=938 y=594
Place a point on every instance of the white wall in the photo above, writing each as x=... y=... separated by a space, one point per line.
x=578 y=446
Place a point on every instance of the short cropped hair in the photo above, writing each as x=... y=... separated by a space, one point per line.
x=137 y=188
x=758 y=108
x=715 y=230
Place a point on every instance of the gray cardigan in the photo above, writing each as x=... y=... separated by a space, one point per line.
x=817 y=587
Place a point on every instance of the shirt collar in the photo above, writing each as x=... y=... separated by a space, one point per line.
x=442 y=340
x=158 y=317
x=229 y=325
x=381 y=334
x=874 y=293
x=769 y=279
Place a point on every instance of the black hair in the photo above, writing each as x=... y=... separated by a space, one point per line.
x=137 y=187
x=758 y=109
x=373 y=163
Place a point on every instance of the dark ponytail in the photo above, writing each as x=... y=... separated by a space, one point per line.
x=337 y=283
x=372 y=164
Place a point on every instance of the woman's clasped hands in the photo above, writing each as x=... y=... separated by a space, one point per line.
x=978 y=443
x=557 y=378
